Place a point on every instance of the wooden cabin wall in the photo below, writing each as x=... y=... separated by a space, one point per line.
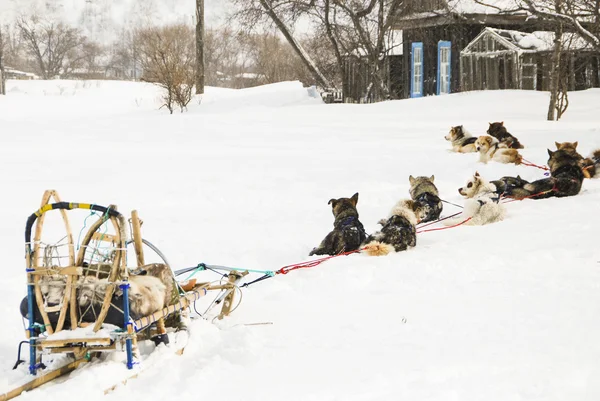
x=460 y=35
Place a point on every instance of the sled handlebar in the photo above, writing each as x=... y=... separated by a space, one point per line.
x=65 y=206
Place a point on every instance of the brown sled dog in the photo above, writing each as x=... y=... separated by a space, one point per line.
x=565 y=180
x=588 y=167
x=348 y=232
x=489 y=149
x=499 y=131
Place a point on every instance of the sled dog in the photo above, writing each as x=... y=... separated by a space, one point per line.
x=348 y=232
x=499 y=131
x=588 y=166
x=566 y=178
x=489 y=149
x=398 y=231
x=482 y=204
x=462 y=141
x=423 y=190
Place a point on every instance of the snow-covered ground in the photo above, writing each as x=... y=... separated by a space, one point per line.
x=509 y=311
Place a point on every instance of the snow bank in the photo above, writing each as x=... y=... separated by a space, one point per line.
x=502 y=312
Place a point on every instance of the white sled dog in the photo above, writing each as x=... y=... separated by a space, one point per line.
x=482 y=205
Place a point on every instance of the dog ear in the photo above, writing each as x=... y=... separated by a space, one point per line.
x=411 y=179
x=332 y=202
x=550 y=153
x=432 y=178
x=354 y=199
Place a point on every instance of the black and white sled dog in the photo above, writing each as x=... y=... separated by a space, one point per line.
x=462 y=141
x=482 y=205
x=398 y=232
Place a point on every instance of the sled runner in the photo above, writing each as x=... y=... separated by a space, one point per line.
x=83 y=299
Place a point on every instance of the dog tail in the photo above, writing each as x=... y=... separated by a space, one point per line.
x=377 y=248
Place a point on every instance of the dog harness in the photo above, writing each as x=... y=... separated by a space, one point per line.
x=495 y=199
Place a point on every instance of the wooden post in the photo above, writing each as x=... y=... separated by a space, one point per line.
x=234 y=277
x=199 y=47
x=136 y=228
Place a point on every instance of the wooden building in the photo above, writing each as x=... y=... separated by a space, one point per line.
x=435 y=34
x=506 y=59
x=436 y=31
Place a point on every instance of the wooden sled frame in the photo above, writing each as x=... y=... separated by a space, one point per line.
x=117 y=275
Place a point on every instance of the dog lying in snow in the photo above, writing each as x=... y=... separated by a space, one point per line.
x=422 y=189
x=398 y=231
x=589 y=165
x=566 y=178
x=482 y=204
x=489 y=149
x=462 y=141
x=348 y=232
x=499 y=131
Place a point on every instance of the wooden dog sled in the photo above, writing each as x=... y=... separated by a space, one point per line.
x=101 y=254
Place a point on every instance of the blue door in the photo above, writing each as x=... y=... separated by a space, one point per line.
x=444 y=70
x=416 y=68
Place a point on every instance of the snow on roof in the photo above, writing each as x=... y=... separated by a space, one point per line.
x=538 y=41
x=483 y=6
x=542 y=40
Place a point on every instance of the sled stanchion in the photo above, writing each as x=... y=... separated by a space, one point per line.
x=127 y=325
x=32 y=336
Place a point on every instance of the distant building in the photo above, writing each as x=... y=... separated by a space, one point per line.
x=12 y=73
x=457 y=45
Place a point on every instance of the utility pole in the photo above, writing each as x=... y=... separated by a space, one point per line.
x=2 y=74
x=199 y=47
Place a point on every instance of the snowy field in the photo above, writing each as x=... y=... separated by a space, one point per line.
x=505 y=312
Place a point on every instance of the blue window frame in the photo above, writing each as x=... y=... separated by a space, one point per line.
x=416 y=68
x=444 y=67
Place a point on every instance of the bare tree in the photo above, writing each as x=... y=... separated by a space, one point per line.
x=168 y=59
x=253 y=11
x=199 y=47
x=225 y=56
x=51 y=44
x=2 y=73
x=581 y=16
x=359 y=29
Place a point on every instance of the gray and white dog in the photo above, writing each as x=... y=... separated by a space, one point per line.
x=423 y=190
x=398 y=232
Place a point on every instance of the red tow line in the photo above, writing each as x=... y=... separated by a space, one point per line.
x=445 y=228
x=312 y=263
x=530 y=164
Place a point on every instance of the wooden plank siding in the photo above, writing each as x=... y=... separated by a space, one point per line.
x=459 y=35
